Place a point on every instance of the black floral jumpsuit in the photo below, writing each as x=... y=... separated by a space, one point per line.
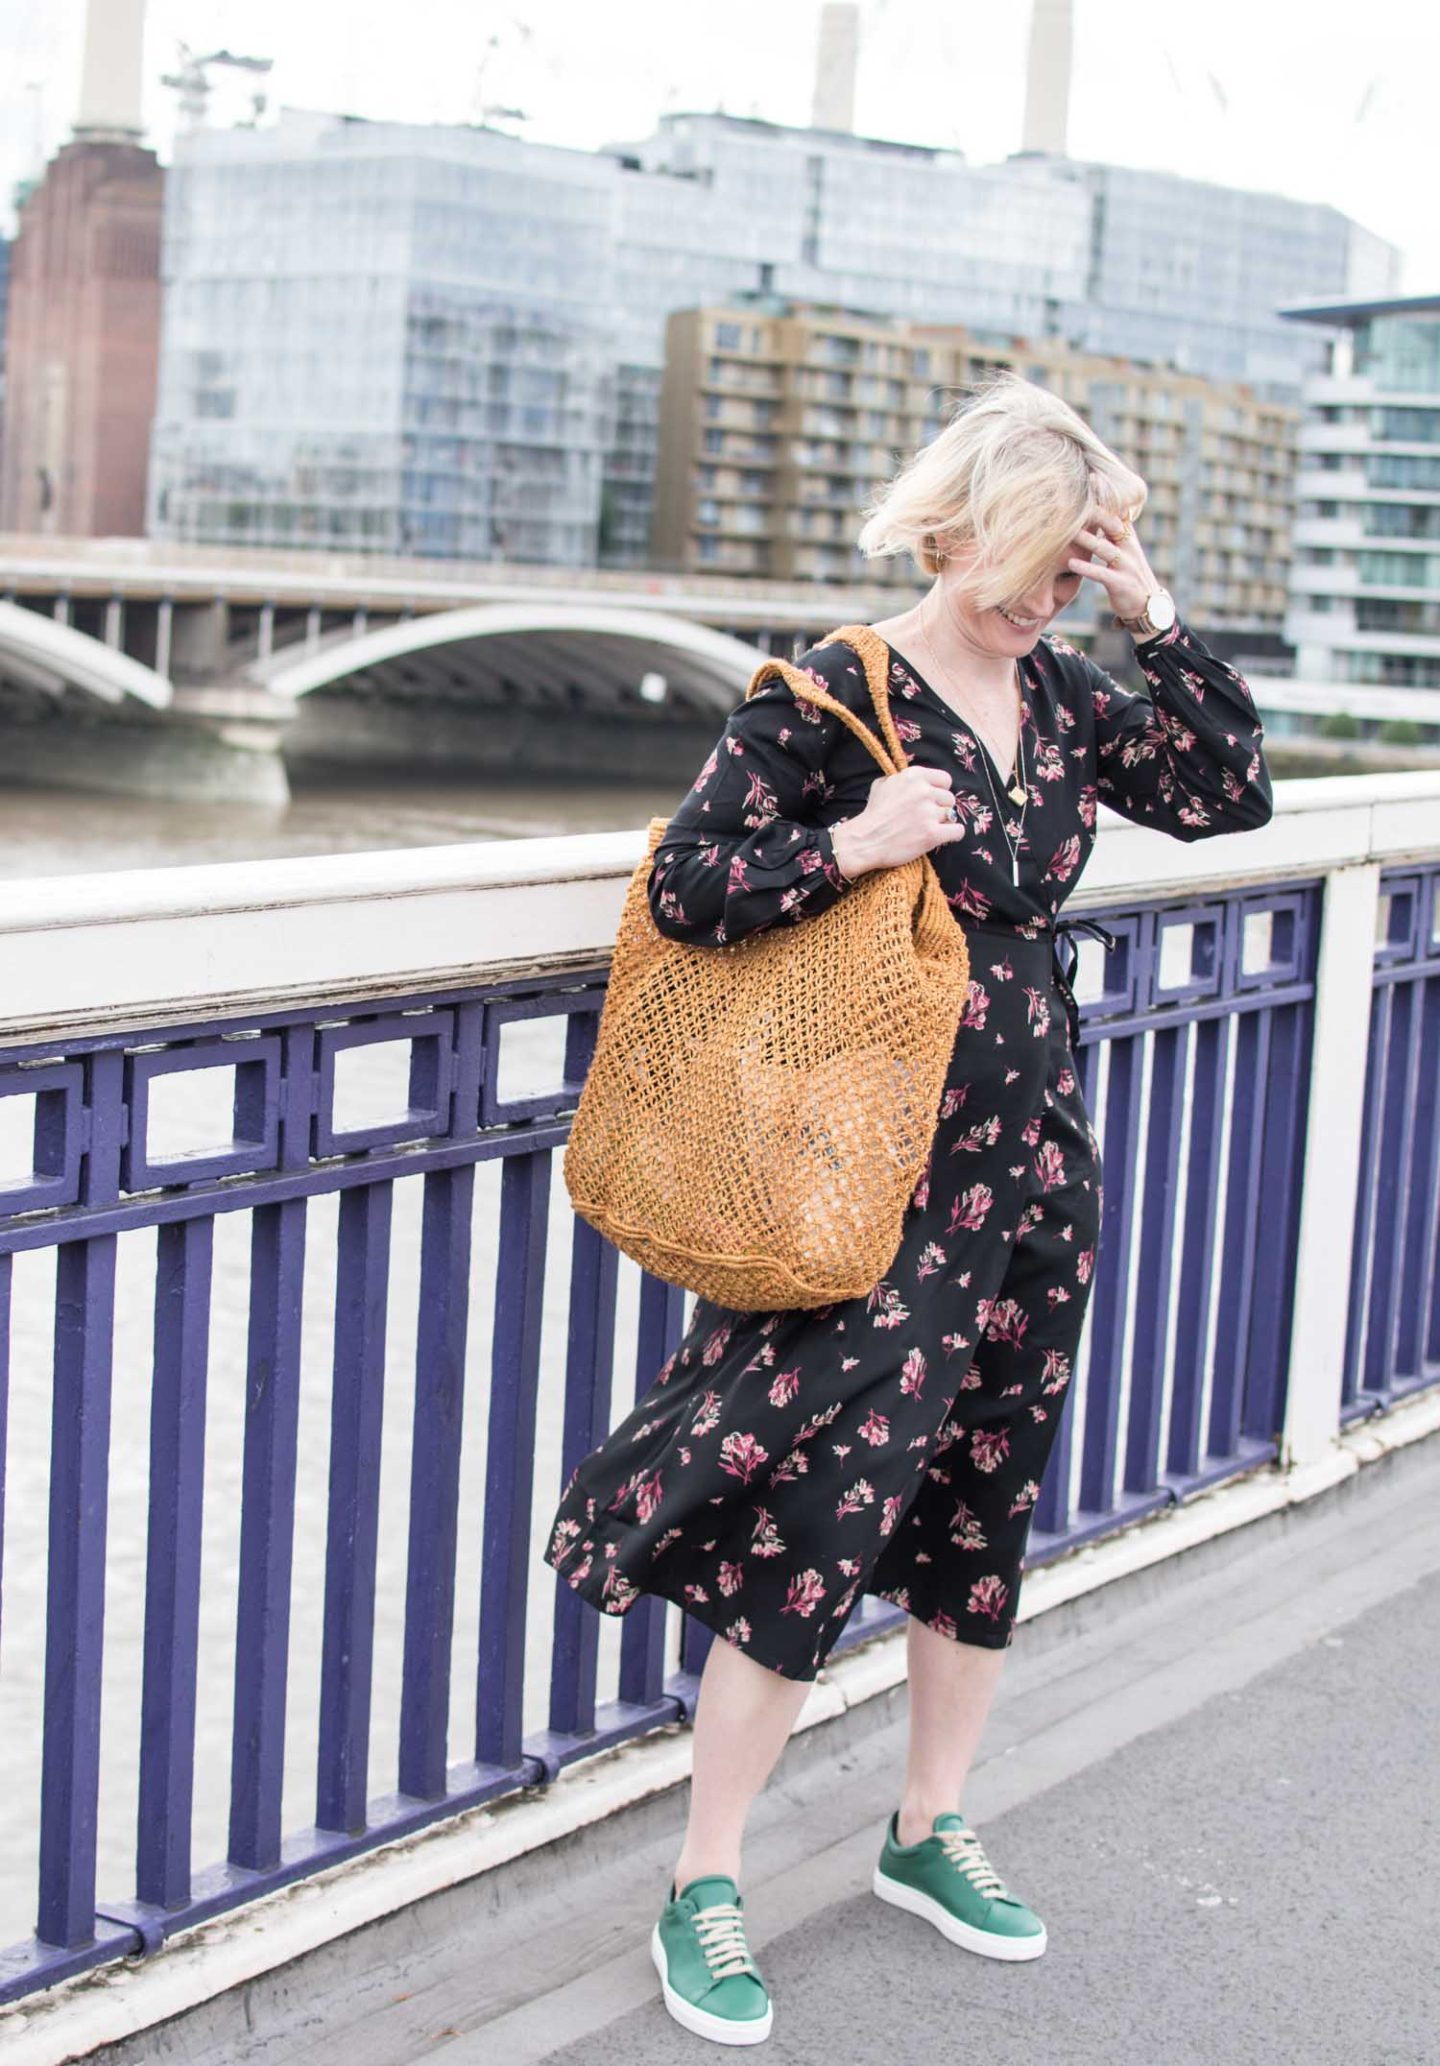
x=783 y=1463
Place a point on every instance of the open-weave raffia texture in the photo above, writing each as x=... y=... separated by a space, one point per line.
x=757 y=1116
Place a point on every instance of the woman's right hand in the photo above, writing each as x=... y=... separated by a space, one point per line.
x=906 y=814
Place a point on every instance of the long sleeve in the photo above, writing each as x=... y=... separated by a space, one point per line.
x=1188 y=759
x=744 y=849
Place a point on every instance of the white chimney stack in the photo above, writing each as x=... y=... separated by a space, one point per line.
x=839 y=55
x=110 y=81
x=1047 y=77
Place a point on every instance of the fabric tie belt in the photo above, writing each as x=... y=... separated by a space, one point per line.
x=1061 y=933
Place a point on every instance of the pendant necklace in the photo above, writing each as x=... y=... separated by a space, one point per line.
x=1016 y=789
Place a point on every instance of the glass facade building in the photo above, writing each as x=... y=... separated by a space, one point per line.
x=385 y=339
x=451 y=341
x=1365 y=584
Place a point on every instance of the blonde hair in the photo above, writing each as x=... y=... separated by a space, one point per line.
x=1009 y=474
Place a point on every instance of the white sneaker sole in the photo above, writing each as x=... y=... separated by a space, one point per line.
x=987 y=1942
x=719 y=2028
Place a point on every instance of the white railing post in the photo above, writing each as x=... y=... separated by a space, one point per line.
x=1344 y=982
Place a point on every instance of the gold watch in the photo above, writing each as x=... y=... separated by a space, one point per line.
x=1158 y=615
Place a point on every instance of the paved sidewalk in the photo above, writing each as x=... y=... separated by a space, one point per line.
x=1254 y=1878
x=1218 y=1781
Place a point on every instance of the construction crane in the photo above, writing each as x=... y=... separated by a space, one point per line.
x=190 y=81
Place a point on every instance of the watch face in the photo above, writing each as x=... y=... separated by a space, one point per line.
x=1160 y=609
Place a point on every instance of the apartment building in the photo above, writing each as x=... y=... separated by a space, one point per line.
x=777 y=421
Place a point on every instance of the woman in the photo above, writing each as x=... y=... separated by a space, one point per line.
x=784 y=1463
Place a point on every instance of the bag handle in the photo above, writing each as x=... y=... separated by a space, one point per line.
x=872 y=653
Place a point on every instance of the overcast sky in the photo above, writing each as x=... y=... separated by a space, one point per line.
x=1329 y=102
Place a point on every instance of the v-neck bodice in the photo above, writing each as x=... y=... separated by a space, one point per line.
x=1002 y=780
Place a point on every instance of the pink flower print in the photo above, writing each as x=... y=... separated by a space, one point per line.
x=967 y=901
x=696 y=1593
x=848 y=1362
x=670 y=1535
x=1084 y=1263
x=765 y=1537
x=618 y=1590
x=932 y=1258
x=732 y=1577
x=953 y=1099
x=1055 y=1370
x=667 y=1368
x=849 y=1565
x=647 y=1496
x=1037 y=1010
x=784 y=1387
x=966 y=1531
x=861 y=1493
x=912 y=1372
x=1057 y=1296
x=804 y=1593
x=707 y=1414
x=739 y=1630
x=921 y=1194
x=841 y=1449
x=741 y=1455
x=736 y=882
x=944 y=1625
x=983 y=1134
x=1007 y=1320
x=874 y=1429
x=1027 y=1495
x=1049 y=762
x=1064 y=861
x=989 y=1447
x=977 y=1001
x=794 y=1464
x=715 y=1343
x=891 y=1313
x=953 y=1343
x=1030 y=1131
x=760 y=803
x=1065 y=1081
x=890 y=1513
x=907 y=729
x=971 y=1209
x=1050 y=1165
x=988 y=1596
x=564 y=1536
x=817 y=1421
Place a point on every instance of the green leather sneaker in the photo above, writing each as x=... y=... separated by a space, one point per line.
x=711 y=1983
x=947 y=1878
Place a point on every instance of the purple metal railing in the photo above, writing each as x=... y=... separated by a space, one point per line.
x=1392 y=1343
x=96 y=1177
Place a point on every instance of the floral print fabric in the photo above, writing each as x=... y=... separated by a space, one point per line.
x=784 y=1463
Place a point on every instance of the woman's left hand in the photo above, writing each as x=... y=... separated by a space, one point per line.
x=1116 y=562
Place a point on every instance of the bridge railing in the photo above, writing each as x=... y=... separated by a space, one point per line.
x=299 y=1339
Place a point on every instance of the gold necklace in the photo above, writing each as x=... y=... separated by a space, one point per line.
x=1015 y=788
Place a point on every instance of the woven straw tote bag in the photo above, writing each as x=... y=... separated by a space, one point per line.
x=757 y=1116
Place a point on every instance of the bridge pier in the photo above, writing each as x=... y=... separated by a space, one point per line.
x=333 y=734
x=212 y=745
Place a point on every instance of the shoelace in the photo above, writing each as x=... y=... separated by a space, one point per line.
x=963 y=1849
x=721 y=1930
